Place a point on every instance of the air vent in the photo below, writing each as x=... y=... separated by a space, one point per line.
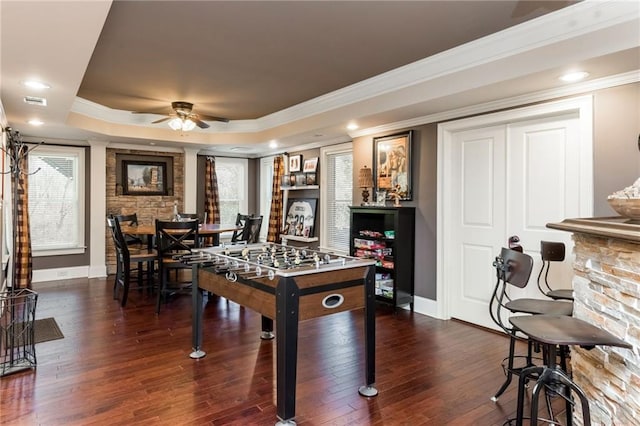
x=32 y=100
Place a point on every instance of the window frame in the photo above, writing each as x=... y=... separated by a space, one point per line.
x=325 y=152
x=244 y=163
x=80 y=153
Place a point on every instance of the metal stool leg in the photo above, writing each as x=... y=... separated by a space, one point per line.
x=554 y=375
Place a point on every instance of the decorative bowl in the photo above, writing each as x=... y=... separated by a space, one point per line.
x=626 y=207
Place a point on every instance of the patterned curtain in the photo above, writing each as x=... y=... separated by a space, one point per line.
x=275 y=214
x=211 y=198
x=22 y=257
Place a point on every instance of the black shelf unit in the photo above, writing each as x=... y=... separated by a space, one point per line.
x=388 y=235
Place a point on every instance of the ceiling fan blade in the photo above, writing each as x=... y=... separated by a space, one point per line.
x=161 y=120
x=212 y=118
x=162 y=111
x=200 y=123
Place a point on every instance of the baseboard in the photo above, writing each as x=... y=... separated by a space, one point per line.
x=424 y=306
x=41 y=275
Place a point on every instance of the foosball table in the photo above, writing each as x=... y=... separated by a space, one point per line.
x=286 y=284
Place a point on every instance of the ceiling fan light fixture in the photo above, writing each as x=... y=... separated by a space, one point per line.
x=175 y=124
x=184 y=124
x=188 y=125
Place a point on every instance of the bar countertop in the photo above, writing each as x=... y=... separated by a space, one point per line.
x=608 y=227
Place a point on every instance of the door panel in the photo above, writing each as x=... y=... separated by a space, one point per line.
x=544 y=187
x=478 y=207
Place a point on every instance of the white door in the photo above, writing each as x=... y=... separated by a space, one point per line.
x=478 y=202
x=507 y=179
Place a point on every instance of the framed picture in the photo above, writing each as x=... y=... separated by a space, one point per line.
x=392 y=165
x=300 y=180
x=310 y=165
x=286 y=180
x=292 y=180
x=311 y=179
x=301 y=217
x=295 y=163
x=144 y=177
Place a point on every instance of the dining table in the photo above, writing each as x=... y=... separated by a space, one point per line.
x=204 y=230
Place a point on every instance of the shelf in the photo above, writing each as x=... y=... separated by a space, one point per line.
x=397 y=264
x=294 y=188
x=301 y=239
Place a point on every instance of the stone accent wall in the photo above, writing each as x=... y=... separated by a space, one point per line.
x=607 y=293
x=148 y=207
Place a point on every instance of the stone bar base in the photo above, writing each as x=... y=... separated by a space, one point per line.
x=607 y=293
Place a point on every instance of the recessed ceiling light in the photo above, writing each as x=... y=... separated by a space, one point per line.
x=352 y=126
x=36 y=84
x=572 y=77
x=36 y=122
x=273 y=144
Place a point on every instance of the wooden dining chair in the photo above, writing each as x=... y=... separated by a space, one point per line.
x=241 y=220
x=249 y=229
x=172 y=240
x=127 y=256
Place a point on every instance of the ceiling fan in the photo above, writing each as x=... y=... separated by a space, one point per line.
x=183 y=117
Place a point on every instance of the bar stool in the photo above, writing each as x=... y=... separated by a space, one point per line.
x=553 y=331
x=513 y=268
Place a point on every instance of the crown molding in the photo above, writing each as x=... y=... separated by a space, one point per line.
x=544 y=95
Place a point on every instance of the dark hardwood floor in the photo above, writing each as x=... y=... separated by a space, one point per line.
x=124 y=366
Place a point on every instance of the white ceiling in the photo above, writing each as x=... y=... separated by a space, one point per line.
x=296 y=72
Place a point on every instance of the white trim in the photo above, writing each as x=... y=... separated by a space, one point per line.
x=56 y=274
x=583 y=105
x=98 y=211
x=190 y=174
x=265 y=193
x=515 y=101
x=424 y=306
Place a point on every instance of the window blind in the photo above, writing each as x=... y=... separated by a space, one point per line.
x=339 y=194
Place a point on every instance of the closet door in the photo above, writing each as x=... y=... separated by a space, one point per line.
x=510 y=179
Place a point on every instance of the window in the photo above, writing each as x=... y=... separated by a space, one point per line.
x=56 y=200
x=266 y=182
x=233 y=176
x=336 y=196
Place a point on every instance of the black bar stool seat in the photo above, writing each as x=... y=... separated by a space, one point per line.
x=540 y=307
x=553 y=331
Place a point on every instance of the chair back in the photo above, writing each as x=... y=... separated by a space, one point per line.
x=129 y=220
x=119 y=242
x=176 y=237
x=550 y=251
x=512 y=268
x=251 y=231
x=241 y=220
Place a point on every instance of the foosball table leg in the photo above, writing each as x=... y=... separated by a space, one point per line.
x=370 y=335
x=196 y=320
x=267 y=329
